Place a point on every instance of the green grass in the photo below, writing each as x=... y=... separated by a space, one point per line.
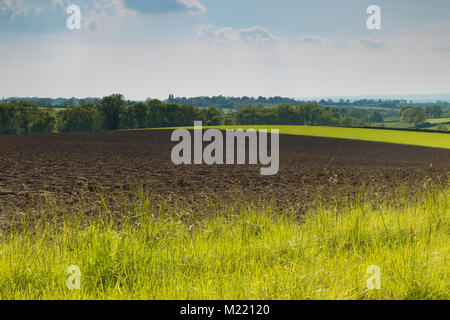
x=428 y=139
x=446 y=127
x=394 y=125
x=440 y=120
x=159 y=251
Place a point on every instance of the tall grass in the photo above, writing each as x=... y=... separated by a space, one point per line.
x=163 y=251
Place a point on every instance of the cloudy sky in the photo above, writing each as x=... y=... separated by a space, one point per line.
x=293 y=48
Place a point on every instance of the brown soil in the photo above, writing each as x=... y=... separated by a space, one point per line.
x=116 y=162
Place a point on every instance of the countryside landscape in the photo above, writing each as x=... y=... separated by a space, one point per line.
x=114 y=202
x=94 y=207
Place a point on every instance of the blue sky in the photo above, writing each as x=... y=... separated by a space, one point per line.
x=295 y=48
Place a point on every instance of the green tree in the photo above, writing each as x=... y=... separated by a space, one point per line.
x=109 y=109
x=140 y=114
x=68 y=103
x=45 y=102
x=156 y=114
x=268 y=116
x=42 y=121
x=309 y=113
x=286 y=115
x=213 y=117
x=375 y=116
x=248 y=115
x=24 y=116
x=436 y=111
x=413 y=115
x=228 y=120
x=78 y=118
x=173 y=112
x=8 y=115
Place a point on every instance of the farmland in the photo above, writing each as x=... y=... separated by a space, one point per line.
x=140 y=227
x=427 y=139
x=252 y=153
x=56 y=165
x=439 y=120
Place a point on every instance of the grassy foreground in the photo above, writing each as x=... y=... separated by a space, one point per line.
x=427 y=139
x=160 y=251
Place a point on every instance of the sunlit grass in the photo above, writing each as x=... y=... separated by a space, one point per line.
x=428 y=139
x=438 y=120
x=156 y=251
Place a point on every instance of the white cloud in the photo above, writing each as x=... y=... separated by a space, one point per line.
x=21 y=7
x=49 y=15
x=373 y=43
x=193 y=5
x=256 y=34
x=164 y=6
x=316 y=40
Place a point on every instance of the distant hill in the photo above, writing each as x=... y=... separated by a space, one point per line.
x=415 y=98
x=236 y=103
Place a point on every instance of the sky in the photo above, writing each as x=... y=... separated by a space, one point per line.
x=289 y=48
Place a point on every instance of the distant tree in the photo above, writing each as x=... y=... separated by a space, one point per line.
x=186 y=115
x=248 y=115
x=45 y=102
x=347 y=121
x=156 y=114
x=43 y=121
x=109 y=110
x=309 y=113
x=213 y=117
x=268 y=115
x=78 y=118
x=228 y=120
x=24 y=117
x=329 y=116
x=8 y=123
x=140 y=111
x=127 y=118
x=375 y=116
x=413 y=115
x=286 y=115
x=357 y=114
x=436 y=111
x=68 y=103
x=172 y=112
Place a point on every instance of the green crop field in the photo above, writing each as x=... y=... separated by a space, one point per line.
x=440 y=120
x=427 y=139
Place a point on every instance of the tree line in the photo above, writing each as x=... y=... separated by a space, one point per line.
x=110 y=113
x=25 y=117
x=418 y=115
x=114 y=112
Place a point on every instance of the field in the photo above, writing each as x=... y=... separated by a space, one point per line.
x=440 y=120
x=56 y=165
x=140 y=227
x=436 y=140
x=403 y=125
x=163 y=252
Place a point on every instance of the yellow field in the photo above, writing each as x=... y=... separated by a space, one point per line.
x=427 y=139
